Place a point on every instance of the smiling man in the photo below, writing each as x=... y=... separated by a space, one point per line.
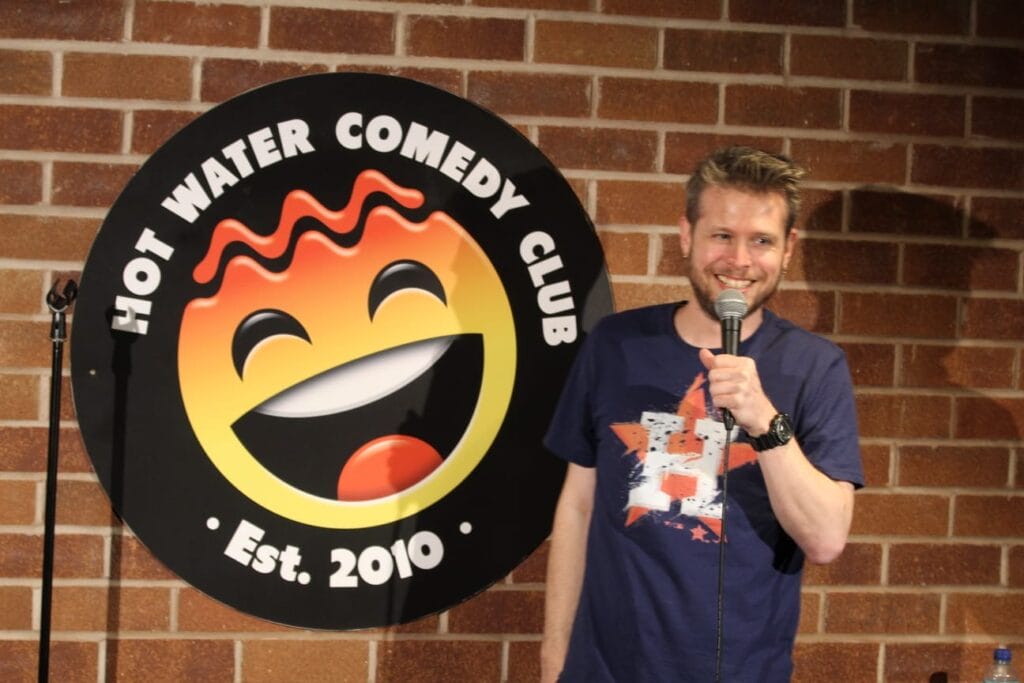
x=633 y=574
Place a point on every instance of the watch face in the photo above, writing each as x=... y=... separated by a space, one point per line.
x=782 y=428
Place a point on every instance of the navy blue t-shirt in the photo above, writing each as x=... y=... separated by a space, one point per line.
x=636 y=407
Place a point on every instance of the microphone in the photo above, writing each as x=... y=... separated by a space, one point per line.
x=730 y=306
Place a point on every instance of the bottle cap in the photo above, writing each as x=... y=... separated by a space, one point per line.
x=1002 y=654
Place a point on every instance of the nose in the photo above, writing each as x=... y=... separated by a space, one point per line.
x=739 y=254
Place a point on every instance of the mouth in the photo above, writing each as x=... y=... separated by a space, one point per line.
x=733 y=283
x=371 y=427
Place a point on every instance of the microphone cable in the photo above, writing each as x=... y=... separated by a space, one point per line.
x=720 y=619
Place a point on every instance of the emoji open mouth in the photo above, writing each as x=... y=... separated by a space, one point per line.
x=371 y=427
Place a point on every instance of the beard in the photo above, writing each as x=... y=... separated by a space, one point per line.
x=703 y=293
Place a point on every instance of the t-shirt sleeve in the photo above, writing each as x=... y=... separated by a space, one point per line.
x=571 y=435
x=827 y=427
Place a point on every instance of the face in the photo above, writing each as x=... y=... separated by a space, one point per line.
x=739 y=242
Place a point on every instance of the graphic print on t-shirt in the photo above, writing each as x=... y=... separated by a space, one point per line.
x=678 y=460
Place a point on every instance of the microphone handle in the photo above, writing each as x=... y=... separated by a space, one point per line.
x=730 y=345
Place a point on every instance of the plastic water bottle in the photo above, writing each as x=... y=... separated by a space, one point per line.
x=1001 y=671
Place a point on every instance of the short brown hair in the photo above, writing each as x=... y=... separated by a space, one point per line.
x=746 y=168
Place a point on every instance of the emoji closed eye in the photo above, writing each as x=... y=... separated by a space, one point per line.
x=405 y=274
x=259 y=326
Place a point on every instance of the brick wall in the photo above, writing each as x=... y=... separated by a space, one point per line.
x=909 y=114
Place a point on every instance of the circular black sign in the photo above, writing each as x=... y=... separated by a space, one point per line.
x=319 y=338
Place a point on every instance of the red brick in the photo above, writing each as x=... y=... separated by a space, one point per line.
x=175 y=660
x=954 y=466
x=499 y=611
x=24 y=449
x=444 y=79
x=25 y=73
x=820 y=210
x=421 y=661
x=900 y=514
x=848 y=261
x=927 y=564
x=823 y=13
x=903 y=213
x=19 y=395
x=875 y=460
x=945 y=366
x=886 y=415
x=909 y=16
x=523 y=661
x=996 y=217
x=1000 y=19
x=670 y=260
x=907 y=113
x=18 y=502
x=956 y=267
x=810 y=613
x=83 y=503
x=466 y=38
x=997 y=117
x=180 y=22
x=531 y=94
x=562 y=42
x=121 y=608
x=23 y=182
x=887 y=613
x=612 y=149
x=152 y=127
x=129 y=559
x=630 y=202
x=979 y=417
x=917 y=662
x=75 y=555
x=814 y=311
x=268 y=661
x=563 y=5
x=780 y=106
x=1017 y=566
x=977 y=65
x=197 y=612
x=24 y=344
x=21 y=291
x=993 y=319
x=904 y=315
x=60 y=129
x=39 y=237
x=147 y=77
x=723 y=51
x=15 y=609
x=860 y=564
x=82 y=184
x=847 y=662
x=852 y=161
x=95 y=20
x=222 y=79
x=70 y=662
x=988 y=515
x=628 y=295
x=968 y=167
x=989 y=614
x=684 y=150
x=871 y=365
x=669 y=101
x=848 y=58
x=625 y=252
x=323 y=30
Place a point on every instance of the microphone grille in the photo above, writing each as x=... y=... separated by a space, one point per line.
x=730 y=304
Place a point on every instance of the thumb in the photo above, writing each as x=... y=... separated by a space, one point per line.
x=707 y=358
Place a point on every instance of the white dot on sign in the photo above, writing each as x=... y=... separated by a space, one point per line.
x=465 y=528
x=304 y=578
x=213 y=524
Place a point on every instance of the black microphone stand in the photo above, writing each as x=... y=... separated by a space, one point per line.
x=57 y=300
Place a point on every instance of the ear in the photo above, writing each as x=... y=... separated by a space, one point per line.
x=790 y=249
x=685 y=237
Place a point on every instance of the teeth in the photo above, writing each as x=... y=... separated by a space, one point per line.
x=737 y=284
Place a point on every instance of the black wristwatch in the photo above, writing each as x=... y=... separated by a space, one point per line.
x=780 y=431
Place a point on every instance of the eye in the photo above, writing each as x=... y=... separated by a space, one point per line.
x=256 y=327
x=400 y=275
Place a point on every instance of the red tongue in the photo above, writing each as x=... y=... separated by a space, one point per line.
x=386 y=465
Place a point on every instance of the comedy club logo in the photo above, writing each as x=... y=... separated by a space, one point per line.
x=319 y=338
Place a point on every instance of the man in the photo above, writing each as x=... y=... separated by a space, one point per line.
x=632 y=587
